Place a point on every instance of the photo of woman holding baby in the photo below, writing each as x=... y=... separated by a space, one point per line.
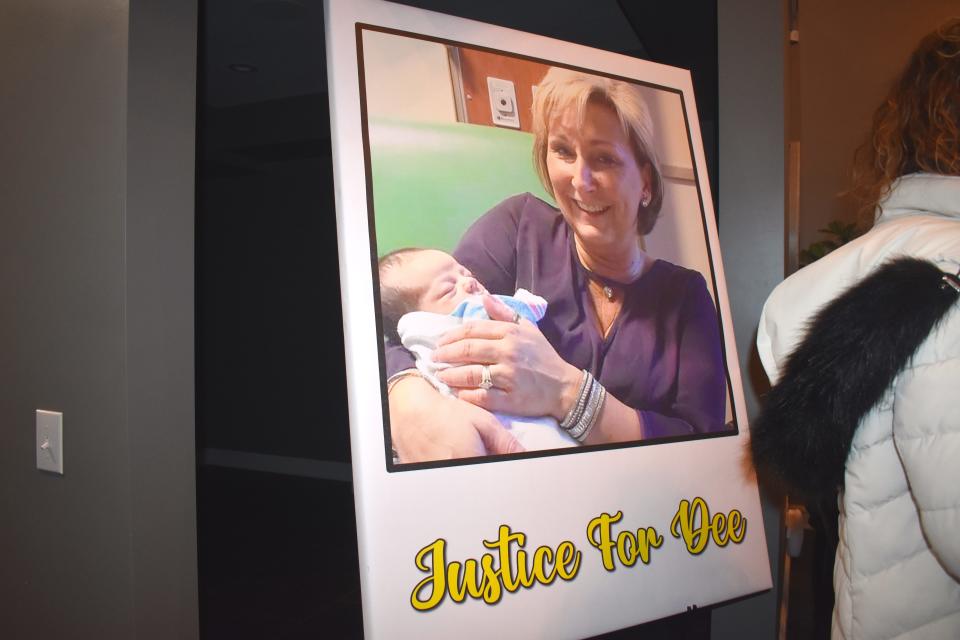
x=629 y=348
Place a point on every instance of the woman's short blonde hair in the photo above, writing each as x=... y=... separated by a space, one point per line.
x=562 y=89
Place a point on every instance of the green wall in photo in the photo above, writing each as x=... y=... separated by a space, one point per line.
x=432 y=180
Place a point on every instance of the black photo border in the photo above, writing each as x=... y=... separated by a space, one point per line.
x=392 y=466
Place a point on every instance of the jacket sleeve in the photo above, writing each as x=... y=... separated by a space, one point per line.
x=766 y=332
x=926 y=431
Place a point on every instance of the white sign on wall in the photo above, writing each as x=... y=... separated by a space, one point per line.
x=471 y=521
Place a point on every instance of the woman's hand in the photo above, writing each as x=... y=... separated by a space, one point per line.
x=528 y=376
x=427 y=426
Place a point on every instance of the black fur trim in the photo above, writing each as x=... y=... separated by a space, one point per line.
x=853 y=349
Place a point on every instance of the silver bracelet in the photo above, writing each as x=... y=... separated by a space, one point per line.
x=576 y=411
x=578 y=429
x=400 y=375
x=596 y=414
x=591 y=411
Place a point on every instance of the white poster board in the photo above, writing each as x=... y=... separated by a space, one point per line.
x=564 y=543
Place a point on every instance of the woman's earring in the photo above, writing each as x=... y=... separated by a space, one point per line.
x=646 y=201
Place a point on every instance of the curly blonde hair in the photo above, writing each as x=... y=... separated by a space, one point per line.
x=917 y=127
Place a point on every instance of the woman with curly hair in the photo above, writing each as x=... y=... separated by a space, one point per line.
x=849 y=414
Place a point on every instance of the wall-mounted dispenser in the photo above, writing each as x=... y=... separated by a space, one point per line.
x=503 y=103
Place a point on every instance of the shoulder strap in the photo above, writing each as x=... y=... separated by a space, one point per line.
x=853 y=350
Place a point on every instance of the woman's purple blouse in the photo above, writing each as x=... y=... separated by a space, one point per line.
x=663 y=354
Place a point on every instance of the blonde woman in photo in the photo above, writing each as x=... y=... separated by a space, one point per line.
x=630 y=345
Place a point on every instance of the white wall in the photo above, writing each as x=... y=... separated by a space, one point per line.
x=666 y=110
x=407 y=79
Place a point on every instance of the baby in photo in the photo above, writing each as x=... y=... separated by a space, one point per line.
x=423 y=294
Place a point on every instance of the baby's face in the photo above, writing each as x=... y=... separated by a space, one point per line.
x=444 y=281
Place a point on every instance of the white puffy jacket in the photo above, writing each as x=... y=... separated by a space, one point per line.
x=897 y=572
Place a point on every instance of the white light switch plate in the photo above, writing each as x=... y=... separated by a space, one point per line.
x=50 y=441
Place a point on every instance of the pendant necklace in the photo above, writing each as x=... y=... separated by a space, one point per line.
x=606 y=286
x=602 y=286
x=604 y=305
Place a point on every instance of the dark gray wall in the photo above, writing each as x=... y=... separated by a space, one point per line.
x=96 y=318
x=161 y=136
x=65 y=541
x=751 y=43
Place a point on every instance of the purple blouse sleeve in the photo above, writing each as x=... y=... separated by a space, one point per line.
x=397 y=358
x=699 y=404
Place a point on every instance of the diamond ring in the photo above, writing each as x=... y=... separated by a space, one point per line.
x=485 y=381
